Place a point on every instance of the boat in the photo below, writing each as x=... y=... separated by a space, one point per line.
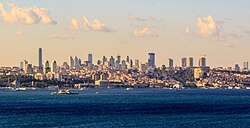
x=21 y=89
x=64 y=92
x=128 y=89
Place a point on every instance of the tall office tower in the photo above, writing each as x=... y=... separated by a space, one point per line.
x=151 y=60
x=245 y=65
x=40 y=56
x=131 y=63
x=23 y=63
x=71 y=62
x=112 y=61
x=237 y=67
x=28 y=69
x=183 y=62
x=127 y=59
x=170 y=63
x=118 y=61
x=76 y=62
x=190 y=62
x=46 y=67
x=53 y=66
x=137 y=64
x=79 y=62
x=90 y=58
x=104 y=59
x=124 y=64
x=202 y=62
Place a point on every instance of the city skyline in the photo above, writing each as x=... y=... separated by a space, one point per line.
x=170 y=29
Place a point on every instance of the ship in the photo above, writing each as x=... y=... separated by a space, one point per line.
x=64 y=92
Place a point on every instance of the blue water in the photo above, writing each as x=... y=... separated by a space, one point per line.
x=141 y=108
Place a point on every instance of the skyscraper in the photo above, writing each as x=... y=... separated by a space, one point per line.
x=202 y=62
x=137 y=64
x=170 y=63
x=53 y=67
x=90 y=58
x=46 y=67
x=112 y=61
x=40 y=56
x=71 y=62
x=190 y=62
x=245 y=65
x=151 y=60
x=183 y=62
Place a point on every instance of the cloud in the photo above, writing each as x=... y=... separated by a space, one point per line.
x=19 y=33
x=25 y=15
x=134 y=17
x=74 y=24
x=96 y=25
x=208 y=27
x=144 y=32
x=62 y=37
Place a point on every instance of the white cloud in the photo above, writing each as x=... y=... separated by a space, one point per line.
x=144 y=32
x=96 y=25
x=74 y=24
x=208 y=26
x=19 y=33
x=25 y=15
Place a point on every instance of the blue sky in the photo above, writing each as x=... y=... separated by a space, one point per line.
x=167 y=27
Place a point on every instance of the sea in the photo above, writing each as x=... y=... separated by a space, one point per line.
x=137 y=108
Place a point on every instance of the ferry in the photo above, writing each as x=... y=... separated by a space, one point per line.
x=64 y=92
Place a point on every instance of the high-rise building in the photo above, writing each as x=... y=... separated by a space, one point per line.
x=118 y=61
x=53 y=67
x=131 y=63
x=202 y=62
x=245 y=65
x=90 y=58
x=127 y=59
x=40 y=56
x=104 y=59
x=22 y=64
x=151 y=60
x=71 y=62
x=112 y=61
x=170 y=63
x=76 y=62
x=124 y=64
x=46 y=67
x=137 y=64
x=190 y=62
x=237 y=67
x=28 y=69
x=183 y=62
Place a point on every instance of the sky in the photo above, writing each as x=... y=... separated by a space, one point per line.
x=217 y=29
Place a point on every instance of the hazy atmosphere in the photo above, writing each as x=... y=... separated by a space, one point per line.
x=174 y=29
